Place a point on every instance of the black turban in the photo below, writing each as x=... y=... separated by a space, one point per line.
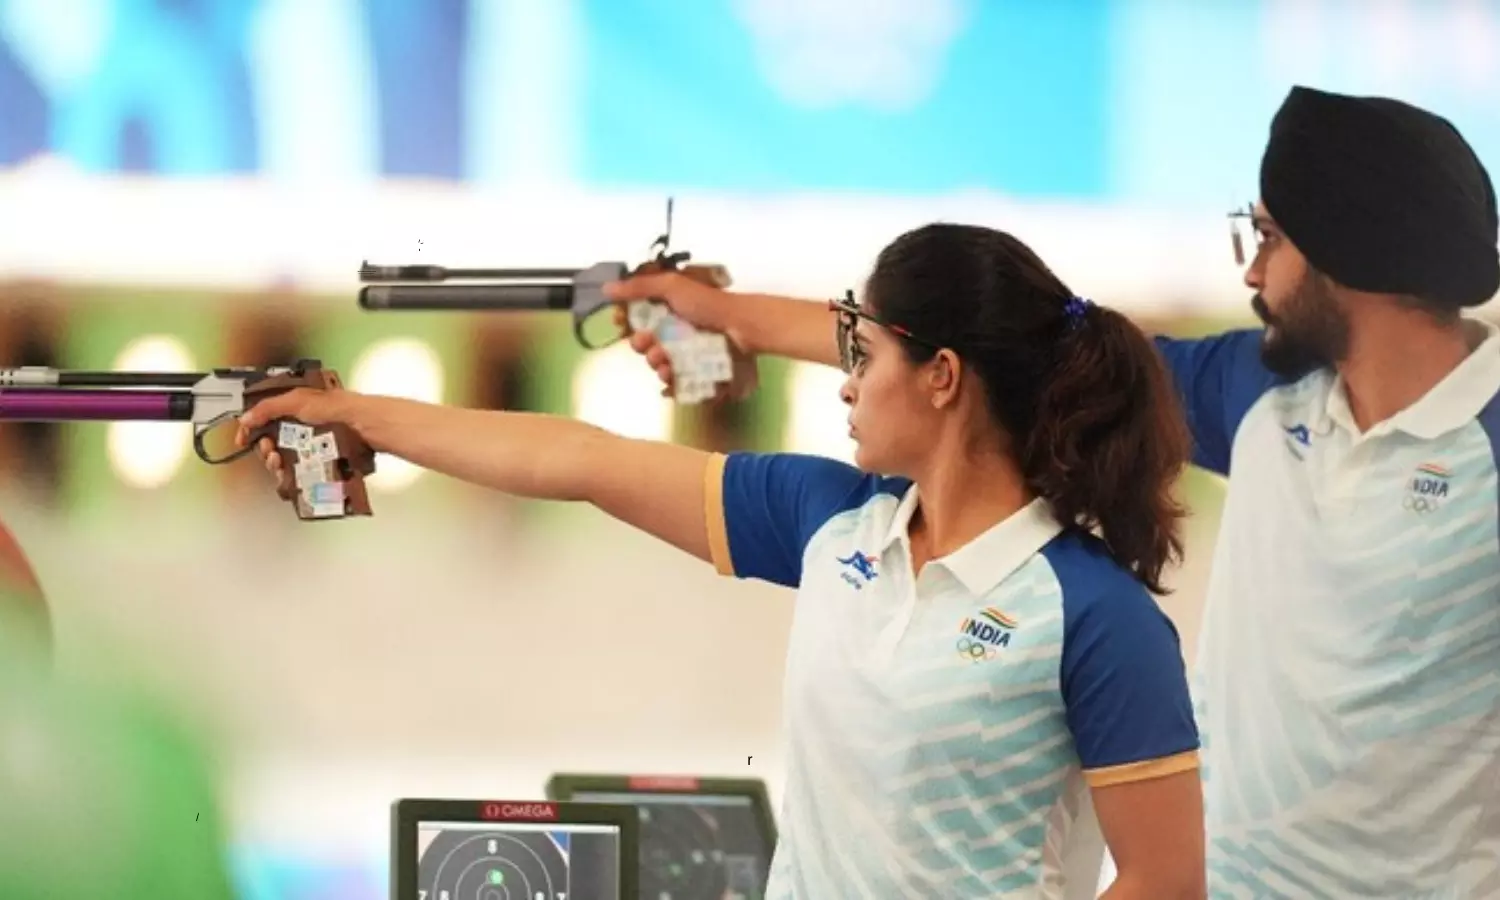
x=1383 y=197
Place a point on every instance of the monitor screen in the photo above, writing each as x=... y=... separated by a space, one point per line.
x=512 y=850
x=700 y=839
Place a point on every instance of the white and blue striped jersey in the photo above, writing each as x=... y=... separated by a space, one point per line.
x=944 y=726
x=1347 y=683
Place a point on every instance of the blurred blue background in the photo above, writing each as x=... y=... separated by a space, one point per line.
x=1089 y=99
x=187 y=183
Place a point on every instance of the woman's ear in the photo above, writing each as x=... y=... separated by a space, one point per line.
x=944 y=372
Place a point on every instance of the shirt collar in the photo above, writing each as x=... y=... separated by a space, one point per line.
x=902 y=518
x=994 y=554
x=1450 y=404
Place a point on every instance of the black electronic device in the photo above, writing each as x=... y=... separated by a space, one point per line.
x=700 y=838
x=513 y=850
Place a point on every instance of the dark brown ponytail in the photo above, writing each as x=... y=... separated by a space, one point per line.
x=1109 y=443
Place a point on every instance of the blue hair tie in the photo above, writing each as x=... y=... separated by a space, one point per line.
x=1076 y=308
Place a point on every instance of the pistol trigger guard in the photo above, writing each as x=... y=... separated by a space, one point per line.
x=202 y=451
x=199 y=449
x=199 y=430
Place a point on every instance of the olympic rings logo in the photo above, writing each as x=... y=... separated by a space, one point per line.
x=975 y=651
x=1418 y=504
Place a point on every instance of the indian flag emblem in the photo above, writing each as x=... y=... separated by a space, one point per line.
x=991 y=614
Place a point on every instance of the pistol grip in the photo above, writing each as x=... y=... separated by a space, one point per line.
x=328 y=463
x=328 y=468
x=711 y=274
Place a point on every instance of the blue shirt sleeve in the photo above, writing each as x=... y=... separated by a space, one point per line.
x=1124 y=682
x=1218 y=378
x=765 y=507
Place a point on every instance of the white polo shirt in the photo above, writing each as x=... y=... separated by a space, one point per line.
x=943 y=726
x=1348 y=678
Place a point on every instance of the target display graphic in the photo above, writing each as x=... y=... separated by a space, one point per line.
x=700 y=839
x=493 y=864
x=525 y=850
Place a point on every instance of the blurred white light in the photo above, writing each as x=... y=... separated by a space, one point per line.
x=148 y=454
x=615 y=390
x=59 y=44
x=1107 y=872
x=398 y=367
x=817 y=420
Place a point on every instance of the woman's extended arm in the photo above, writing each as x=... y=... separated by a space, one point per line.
x=656 y=487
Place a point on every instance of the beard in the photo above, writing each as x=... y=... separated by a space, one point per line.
x=1309 y=332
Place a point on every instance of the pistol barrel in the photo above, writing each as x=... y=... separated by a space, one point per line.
x=40 y=376
x=68 y=405
x=472 y=297
x=503 y=290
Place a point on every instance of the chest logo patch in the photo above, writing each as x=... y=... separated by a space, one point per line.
x=1298 y=439
x=858 y=569
x=1427 y=489
x=981 y=636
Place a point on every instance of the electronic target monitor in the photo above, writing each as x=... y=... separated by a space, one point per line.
x=513 y=850
x=700 y=838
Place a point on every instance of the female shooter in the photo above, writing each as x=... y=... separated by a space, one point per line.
x=974 y=643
